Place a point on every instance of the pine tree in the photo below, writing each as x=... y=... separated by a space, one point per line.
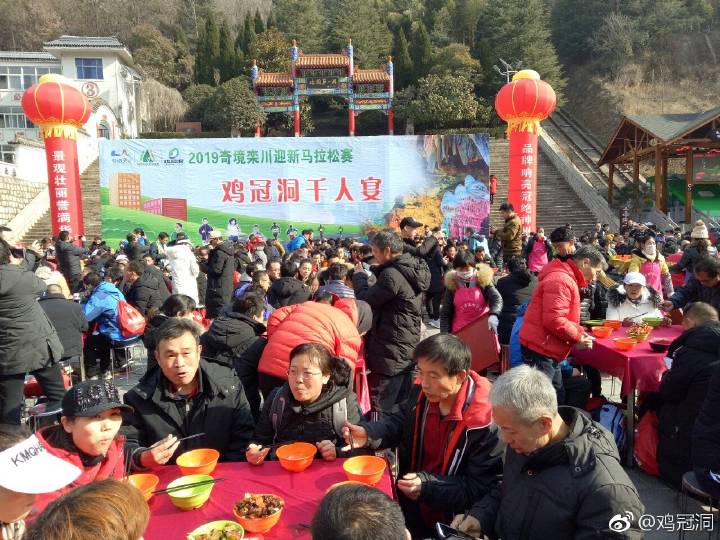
x=271 y=21
x=302 y=20
x=249 y=37
x=362 y=21
x=211 y=51
x=259 y=24
x=402 y=63
x=572 y=28
x=203 y=64
x=422 y=52
x=228 y=61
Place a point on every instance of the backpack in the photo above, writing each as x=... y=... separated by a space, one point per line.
x=130 y=320
x=277 y=408
x=613 y=419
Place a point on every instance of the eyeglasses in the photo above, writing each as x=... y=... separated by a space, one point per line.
x=306 y=375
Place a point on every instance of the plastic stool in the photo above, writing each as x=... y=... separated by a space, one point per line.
x=37 y=413
x=127 y=348
x=691 y=488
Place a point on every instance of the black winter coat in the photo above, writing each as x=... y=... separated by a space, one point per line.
x=568 y=490
x=28 y=340
x=149 y=341
x=396 y=302
x=515 y=289
x=219 y=268
x=693 y=291
x=219 y=410
x=147 y=292
x=228 y=337
x=687 y=262
x=287 y=291
x=69 y=321
x=300 y=423
x=426 y=248
x=437 y=271
x=695 y=354
x=68 y=258
x=706 y=431
x=136 y=251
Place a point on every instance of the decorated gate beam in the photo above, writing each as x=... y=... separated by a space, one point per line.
x=325 y=75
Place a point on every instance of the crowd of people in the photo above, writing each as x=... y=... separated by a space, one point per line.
x=253 y=343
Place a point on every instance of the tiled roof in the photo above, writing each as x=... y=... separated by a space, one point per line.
x=322 y=61
x=26 y=56
x=92 y=42
x=670 y=126
x=364 y=76
x=274 y=79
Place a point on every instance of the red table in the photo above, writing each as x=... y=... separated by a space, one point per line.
x=639 y=369
x=302 y=493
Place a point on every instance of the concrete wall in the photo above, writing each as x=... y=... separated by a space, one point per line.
x=15 y=195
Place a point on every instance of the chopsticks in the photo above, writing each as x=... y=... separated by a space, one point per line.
x=179 y=440
x=188 y=486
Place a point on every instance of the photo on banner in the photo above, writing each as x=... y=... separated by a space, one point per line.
x=351 y=186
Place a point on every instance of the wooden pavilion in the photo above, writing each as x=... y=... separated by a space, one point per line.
x=659 y=138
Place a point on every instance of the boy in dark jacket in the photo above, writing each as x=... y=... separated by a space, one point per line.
x=186 y=396
x=450 y=454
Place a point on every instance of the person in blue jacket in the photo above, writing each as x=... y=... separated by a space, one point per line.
x=101 y=307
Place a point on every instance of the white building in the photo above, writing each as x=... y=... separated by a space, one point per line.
x=102 y=67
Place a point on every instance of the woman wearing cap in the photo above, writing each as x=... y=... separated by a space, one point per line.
x=87 y=435
x=697 y=249
x=632 y=300
x=650 y=263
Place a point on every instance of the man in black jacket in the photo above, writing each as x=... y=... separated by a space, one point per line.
x=706 y=439
x=562 y=477
x=186 y=396
x=703 y=287
x=134 y=249
x=288 y=290
x=396 y=301
x=68 y=257
x=408 y=232
x=146 y=289
x=219 y=268
x=69 y=321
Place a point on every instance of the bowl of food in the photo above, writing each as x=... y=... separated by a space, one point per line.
x=660 y=345
x=602 y=331
x=146 y=483
x=296 y=457
x=594 y=322
x=191 y=497
x=611 y=323
x=625 y=344
x=258 y=512
x=653 y=322
x=365 y=469
x=200 y=461
x=639 y=331
x=218 y=530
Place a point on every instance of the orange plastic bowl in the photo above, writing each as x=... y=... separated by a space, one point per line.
x=365 y=469
x=200 y=461
x=296 y=457
x=259 y=525
x=146 y=483
x=625 y=344
x=602 y=331
x=610 y=323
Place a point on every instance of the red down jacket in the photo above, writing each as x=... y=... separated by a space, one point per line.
x=552 y=320
x=310 y=322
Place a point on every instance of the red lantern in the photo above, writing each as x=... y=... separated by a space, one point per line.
x=59 y=109
x=523 y=103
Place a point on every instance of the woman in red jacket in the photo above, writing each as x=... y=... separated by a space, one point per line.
x=87 y=435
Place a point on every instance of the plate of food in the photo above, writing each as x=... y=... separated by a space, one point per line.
x=218 y=530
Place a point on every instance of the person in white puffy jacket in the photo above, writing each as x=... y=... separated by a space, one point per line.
x=184 y=268
x=633 y=300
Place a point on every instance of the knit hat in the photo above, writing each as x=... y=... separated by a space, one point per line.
x=700 y=230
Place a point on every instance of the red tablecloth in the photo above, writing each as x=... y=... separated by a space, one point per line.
x=302 y=493
x=640 y=368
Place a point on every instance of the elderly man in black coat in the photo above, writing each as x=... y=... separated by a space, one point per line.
x=69 y=321
x=68 y=257
x=147 y=289
x=219 y=268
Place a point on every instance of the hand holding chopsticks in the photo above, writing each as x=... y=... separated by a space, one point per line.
x=163 y=450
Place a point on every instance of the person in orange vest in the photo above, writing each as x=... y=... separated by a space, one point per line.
x=493 y=187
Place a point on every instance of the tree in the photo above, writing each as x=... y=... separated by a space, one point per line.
x=271 y=20
x=234 y=108
x=228 y=61
x=455 y=59
x=361 y=21
x=249 y=37
x=259 y=24
x=442 y=29
x=301 y=20
x=572 y=28
x=464 y=16
x=402 y=63
x=207 y=58
x=618 y=38
x=271 y=50
x=198 y=98
x=160 y=105
x=422 y=52
x=159 y=58
x=442 y=102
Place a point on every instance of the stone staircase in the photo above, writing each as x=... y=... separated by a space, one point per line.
x=90 y=187
x=557 y=203
x=15 y=195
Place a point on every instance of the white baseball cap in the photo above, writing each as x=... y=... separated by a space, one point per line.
x=634 y=278
x=28 y=467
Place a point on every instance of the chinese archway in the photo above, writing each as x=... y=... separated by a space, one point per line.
x=325 y=75
x=523 y=103
x=59 y=109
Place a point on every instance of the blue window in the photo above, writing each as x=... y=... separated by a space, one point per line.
x=89 y=68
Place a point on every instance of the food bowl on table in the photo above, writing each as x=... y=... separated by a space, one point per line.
x=365 y=469
x=624 y=344
x=602 y=331
x=200 y=461
x=660 y=345
x=296 y=457
x=640 y=336
x=653 y=322
x=594 y=322
x=611 y=323
x=218 y=530
x=146 y=483
x=258 y=512
x=192 y=497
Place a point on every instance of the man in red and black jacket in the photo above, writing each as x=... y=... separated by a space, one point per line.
x=449 y=448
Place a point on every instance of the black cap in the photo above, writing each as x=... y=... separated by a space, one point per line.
x=562 y=234
x=89 y=398
x=410 y=222
x=506 y=207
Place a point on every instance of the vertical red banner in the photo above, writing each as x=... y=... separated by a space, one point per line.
x=64 y=186
x=522 y=177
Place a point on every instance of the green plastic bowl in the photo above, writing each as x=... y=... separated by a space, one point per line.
x=653 y=321
x=190 y=498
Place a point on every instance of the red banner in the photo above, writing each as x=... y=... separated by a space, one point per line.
x=64 y=186
x=522 y=177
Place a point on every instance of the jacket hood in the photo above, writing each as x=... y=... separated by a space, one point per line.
x=227 y=247
x=643 y=258
x=109 y=289
x=579 y=450
x=330 y=394
x=483 y=277
x=413 y=269
x=478 y=414
x=287 y=286
x=10 y=274
x=149 y=280
x=569 y=268
x=617 y=296
x=705 y=338
x=232 y=329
